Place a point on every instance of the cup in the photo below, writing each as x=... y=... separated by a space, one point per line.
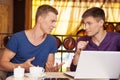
x=19 y=72
x=36 y=71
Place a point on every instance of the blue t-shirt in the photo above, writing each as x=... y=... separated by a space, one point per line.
x=24 y=49
x=111 y=42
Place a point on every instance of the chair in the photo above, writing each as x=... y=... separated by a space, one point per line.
x=3 y=75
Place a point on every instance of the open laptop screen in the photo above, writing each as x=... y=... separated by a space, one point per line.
x=98 y=64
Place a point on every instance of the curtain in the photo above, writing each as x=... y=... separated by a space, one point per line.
x=70 y=12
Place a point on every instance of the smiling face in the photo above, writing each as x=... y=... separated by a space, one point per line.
x=48 y=22
x=93 y=26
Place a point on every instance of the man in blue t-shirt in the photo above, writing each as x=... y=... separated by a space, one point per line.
x=97 y=38
x=34 y=47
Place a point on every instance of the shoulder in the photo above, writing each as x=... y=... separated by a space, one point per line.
x=114 y=34
x=51 y=37
x=51 y=40
x=19 y=33
x=17 y=36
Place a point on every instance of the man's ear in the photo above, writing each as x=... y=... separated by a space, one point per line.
x=40 y=19
x=101 y=22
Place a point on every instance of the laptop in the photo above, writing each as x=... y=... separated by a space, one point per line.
x=97 y=65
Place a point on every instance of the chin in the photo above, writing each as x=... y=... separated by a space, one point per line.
x=47 y=32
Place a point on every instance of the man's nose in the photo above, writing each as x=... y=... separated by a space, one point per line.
x=86 y=27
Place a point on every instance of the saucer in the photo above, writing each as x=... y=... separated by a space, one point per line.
x=29 y=75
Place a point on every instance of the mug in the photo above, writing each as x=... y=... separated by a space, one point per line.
x=36 y=71
x=19 y=72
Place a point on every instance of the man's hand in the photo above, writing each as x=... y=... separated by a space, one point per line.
x=82 y=45
x=27 y=64
x=118 y=78
x=51 y=68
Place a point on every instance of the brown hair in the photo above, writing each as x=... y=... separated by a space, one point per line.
x=44 y=9
x=95 y=12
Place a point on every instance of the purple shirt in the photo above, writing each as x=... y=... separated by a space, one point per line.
x=111 y=42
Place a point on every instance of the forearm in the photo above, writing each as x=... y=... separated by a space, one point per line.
x=76 y=57
x=8 y=66
x=75 y=60
x=73 y=67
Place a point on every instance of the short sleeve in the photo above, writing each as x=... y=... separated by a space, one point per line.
x=12 y=44
x=53 y=46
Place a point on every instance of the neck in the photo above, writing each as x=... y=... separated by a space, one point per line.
x=37 y=33
x=98 y=38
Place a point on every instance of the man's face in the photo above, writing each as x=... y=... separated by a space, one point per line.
x=92 y=25
x=48 y=22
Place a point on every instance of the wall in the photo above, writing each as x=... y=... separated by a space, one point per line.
x=6 y=19
x=19 y=15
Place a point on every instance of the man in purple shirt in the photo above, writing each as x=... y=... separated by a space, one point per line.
x=97 y=38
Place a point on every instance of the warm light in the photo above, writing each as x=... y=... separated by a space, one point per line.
x=69 y=18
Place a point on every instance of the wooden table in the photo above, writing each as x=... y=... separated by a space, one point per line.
x=47 y=75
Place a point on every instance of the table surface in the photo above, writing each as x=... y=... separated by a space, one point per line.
x=47 y=75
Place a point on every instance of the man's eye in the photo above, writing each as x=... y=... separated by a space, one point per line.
x=89 y=23
x=53 y=21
